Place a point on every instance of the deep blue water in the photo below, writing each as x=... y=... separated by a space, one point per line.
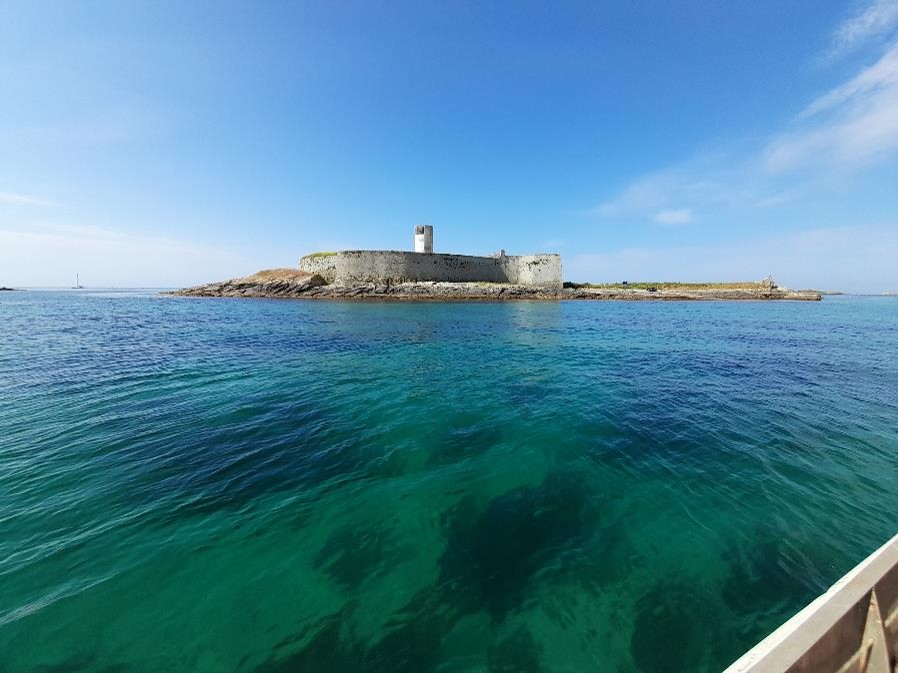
x=265 y=486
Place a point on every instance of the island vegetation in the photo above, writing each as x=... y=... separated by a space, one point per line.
x=667 y=285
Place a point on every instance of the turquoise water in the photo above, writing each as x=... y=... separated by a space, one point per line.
x=277 y=486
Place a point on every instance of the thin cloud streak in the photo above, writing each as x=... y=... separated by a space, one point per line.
x=852 y=126
x=861 y=125
x=883 y=74
x=694 y=185
x=877 y=20
x=14 y=199
x=675 y=217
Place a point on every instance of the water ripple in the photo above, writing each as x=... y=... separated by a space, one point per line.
x=278 y=486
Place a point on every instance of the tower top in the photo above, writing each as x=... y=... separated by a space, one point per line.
x=424 y=238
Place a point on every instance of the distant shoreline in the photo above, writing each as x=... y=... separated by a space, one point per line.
x=294 y=284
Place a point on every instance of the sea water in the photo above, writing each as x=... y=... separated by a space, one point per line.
x=276 y=486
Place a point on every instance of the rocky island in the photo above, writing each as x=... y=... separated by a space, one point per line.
x=296 y=284
x=423 y=275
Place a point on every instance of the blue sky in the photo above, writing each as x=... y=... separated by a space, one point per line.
x=171 y=143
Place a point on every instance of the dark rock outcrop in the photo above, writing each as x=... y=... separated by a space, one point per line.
x=284 y=283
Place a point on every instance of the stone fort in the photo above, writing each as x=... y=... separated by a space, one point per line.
x=395 y=266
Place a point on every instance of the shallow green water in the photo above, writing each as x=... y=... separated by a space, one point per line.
x=267 y=486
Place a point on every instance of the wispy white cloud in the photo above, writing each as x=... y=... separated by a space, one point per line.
x=14 y=199
x=882 y=75
x=775 y=199
x=650 y=192
x=876 y=20
x=850 y=125
x=677 y=192
x=674 y=217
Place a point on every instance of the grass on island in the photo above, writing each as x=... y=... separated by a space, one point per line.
x=277 y=274
x=748 y=285
x=325 y=253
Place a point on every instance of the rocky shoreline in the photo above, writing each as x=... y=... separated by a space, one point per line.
x=294 y=284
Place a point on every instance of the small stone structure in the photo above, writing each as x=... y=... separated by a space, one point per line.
x=393 y=266
x=424 y=238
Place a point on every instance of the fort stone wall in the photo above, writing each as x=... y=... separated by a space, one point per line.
x=542 y=270
x=388 y=266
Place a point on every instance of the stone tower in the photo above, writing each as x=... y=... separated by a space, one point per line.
x=423 y=238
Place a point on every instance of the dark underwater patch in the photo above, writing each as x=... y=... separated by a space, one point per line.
x=328 y=650
x=527 y=396
x=494 y=550
x=491 y=558
x=676 y=630
x=411 y=645
x=760 y=579
x=81 y=662
x=355 y=553
x=518 y=653
x=768 y=582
